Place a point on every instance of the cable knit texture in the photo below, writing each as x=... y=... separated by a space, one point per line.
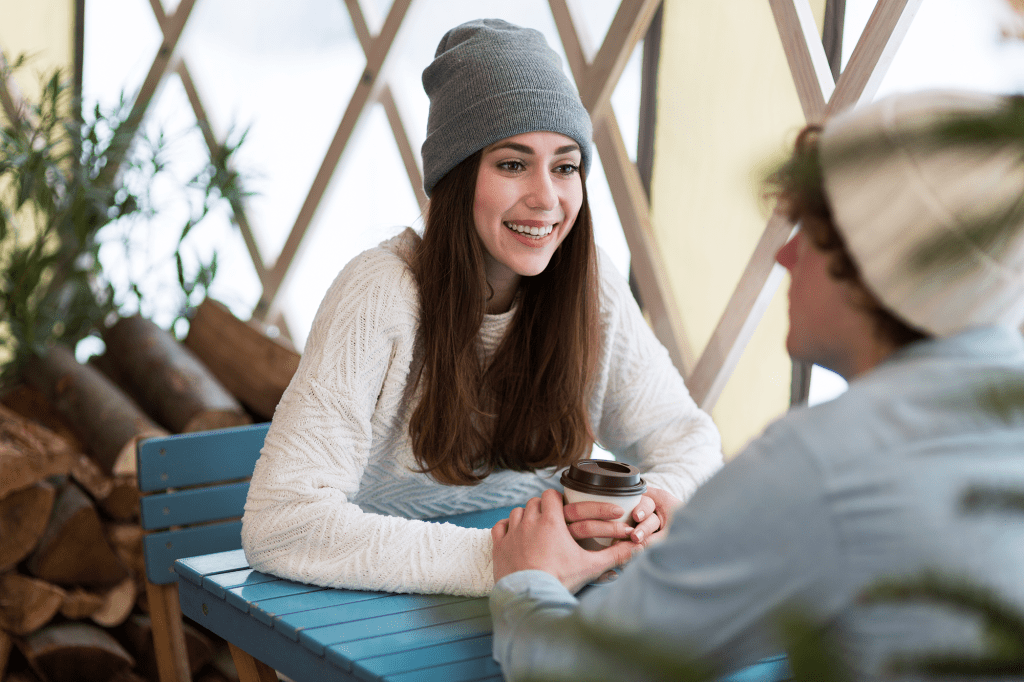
x=335 y=498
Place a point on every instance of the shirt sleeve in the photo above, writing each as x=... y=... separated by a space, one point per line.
x=644 y=413
x=300 y=522
x=756 y=537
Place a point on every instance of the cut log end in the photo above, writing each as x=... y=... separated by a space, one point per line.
x=76 y=652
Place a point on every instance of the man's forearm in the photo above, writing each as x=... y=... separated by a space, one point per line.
x=530 y=610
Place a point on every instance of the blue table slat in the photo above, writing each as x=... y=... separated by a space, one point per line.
x=413 y=639
x=220 y=583
x=197 y=568
x=415 y=659
x=383 y=625
x=250 y=635
x=344 y=609
x=363 y=609
x=197 y=505
x=183 y=460
x=164 y=547
x=463 y=671
x=247 y=597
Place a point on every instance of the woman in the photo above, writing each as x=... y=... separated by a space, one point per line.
x=462 y=370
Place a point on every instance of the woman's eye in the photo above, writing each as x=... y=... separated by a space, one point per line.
x=567 y=169
x=511 y=166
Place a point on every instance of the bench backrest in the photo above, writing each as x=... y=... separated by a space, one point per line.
x=193 y=488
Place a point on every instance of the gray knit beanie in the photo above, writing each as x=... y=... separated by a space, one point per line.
x=490 y=80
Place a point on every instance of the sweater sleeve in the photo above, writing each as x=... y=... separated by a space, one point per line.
x=300 y=522
x=645 y=414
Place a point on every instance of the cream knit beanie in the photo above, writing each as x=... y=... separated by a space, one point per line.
x=891 y=199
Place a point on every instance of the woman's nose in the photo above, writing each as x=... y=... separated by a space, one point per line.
x=542 y=192
x=786 y=256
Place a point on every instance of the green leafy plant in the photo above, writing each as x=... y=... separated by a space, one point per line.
x=71 y=186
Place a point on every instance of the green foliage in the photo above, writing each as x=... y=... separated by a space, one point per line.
x=70 y=186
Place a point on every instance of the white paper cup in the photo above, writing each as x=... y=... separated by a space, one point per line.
x=598 y=480
x=628 y=504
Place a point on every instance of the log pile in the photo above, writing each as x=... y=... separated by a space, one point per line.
x=72 y=586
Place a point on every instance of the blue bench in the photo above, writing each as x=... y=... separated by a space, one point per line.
x=192 y=489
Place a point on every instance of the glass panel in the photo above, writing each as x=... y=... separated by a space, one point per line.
x=369 y=200
x=626 y=100
x=121 y=39
x=153 y=242
x=286 y=71
x=954 y=44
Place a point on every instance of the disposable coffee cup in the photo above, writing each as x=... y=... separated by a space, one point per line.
x=602 y=480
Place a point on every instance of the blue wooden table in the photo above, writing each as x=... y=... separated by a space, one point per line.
x=315 y=634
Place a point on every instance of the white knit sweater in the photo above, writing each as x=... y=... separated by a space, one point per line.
x=334 y=499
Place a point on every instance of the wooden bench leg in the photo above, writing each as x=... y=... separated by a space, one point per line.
x=251 y=669
x=168 y=636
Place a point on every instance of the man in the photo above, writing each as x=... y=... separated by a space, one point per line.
x=831 y=499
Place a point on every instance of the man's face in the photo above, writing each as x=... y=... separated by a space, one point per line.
x=825 y=326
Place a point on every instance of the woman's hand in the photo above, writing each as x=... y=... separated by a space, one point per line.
x=652 y=515
x=600 y=519
x=537 y=537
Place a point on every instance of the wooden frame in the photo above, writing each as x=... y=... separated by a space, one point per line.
x=596 y=72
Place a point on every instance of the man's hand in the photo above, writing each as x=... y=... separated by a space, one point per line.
x=536 y=537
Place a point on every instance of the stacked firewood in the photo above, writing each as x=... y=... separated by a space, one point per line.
x=72 y=591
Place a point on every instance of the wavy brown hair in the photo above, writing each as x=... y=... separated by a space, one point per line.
x=527 y=410
x=799 y=185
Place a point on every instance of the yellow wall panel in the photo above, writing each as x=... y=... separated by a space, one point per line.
x=726 y=105
x=43 y=29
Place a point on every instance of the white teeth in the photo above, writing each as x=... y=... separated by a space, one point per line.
x=531 y=231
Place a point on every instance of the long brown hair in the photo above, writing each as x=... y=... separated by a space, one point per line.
x=527 y=410
x=799 y=184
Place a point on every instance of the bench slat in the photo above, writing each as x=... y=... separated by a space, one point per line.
x=163 y=548
x=185 y=459
x=198 y=505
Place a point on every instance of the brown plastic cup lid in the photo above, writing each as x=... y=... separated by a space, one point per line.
x=603 y=477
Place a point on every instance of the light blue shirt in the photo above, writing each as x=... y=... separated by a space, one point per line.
x=826 y=502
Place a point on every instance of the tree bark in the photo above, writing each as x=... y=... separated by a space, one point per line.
x=167 y=379
x=6 y=644
x=116 y=496
x=27 y=604
x=23 y=516
x=253 y=366
x=74 y=550
x=79 y=604
x=105 y=419
x=75 y=652
x=126 y=540
x=29 y=452
x=29 y=402
x=118 y=603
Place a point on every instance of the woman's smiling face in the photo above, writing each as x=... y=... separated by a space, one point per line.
x=528 y=193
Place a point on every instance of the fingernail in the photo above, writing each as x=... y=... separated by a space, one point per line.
x=639 y=536
x=640 y=515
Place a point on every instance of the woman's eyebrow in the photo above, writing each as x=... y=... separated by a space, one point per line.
x=525 y=149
